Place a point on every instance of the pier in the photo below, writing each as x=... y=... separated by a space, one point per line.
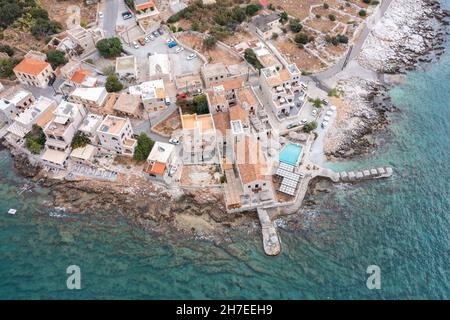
x=271 y=241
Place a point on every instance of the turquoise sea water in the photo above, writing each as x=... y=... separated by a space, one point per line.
x=401 y=224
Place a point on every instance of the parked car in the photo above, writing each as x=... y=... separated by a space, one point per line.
x=293 y=125
x=191 y=56
x=197 y=92
x=141 y=41
x=167 y=101
x=173 y=169
x=324 y=124
x=135 y=45
x=100 y=14
x=303 y=122
x=126 y=15
x=174 y=141
x=179 y=49
x=151 y=37
x=155 y=34
x=160 y=31
x=172 y=44
x=170 y=40
x=326 y=118
x=147 y=39
x=314 y=112
x=325 y=102
x=333 y=108
x=304 y=86
x=329 y=113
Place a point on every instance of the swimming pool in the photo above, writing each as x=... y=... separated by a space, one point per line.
x=291 y=153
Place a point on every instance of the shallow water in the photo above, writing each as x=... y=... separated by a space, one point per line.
x=400 y=224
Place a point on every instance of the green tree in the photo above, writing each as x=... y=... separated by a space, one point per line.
x=284 y=17
x=6 y=67
x=310 y=126
x=38 y=13
x=143 y=148
x=7 y=49
x=201 y=104
x=56 y=58
x=43 y=28
x=332 y=17
x=251 y=58
x=210 y=42
x=35 y=139
x=110 y=47
x=252 y=9
x=295 y=25
x=301 y=38
x=113 y=84
x=317 y=103
x=80 y=139
x=10 y=12
x=362 y=13
x=238 y=14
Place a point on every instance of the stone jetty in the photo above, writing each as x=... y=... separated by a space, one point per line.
x=271 y=241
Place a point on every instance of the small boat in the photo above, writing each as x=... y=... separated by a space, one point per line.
x=12 y=211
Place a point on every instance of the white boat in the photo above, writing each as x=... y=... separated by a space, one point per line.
x=12 y=211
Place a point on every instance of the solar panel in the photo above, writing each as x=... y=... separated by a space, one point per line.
x=289 y=183
x=286 y=167
x=287 y=190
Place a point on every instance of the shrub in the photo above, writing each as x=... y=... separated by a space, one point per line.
x=109 y=48
x=43 y=28
x=326 y=6
x=284 y=17
x=317 y=103
x=79 y=140
x=301 y=38
x=251 y=58
x=274 y=36
x=362 y=13
x=7 y=49
x=210 y=42
x=252 y=9
x=35 y=139
x=56 y=58
x=310 y=126
x=201 y=104
x=6 y=67
x=295 y=25
x=332 y=17
x=113 y=84
x=143 y=148
x=366 y=1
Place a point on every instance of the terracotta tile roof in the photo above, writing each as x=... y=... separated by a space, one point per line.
x=222 y=122
x=156 y=168
x=79 y=76
x=31 y=66
x=251 y=163
x=46 y=117
x=238 y=113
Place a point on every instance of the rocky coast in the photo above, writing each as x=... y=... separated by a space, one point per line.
x=410 y=34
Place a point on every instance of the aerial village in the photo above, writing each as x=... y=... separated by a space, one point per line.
x=239 y=116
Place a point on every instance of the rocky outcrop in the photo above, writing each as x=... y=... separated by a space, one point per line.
x=410 y=33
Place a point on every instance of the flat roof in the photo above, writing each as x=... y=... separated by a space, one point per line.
x=112 y=125
x=125 y=63
x=128 y=103
x=161 y=152
x=84 y=153
x=91 y=123
x=54 y=156
x=149 y=90
x=40 y=106
x=91 y=94
x=202 y=122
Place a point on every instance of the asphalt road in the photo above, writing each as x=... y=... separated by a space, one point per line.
x=110 y=12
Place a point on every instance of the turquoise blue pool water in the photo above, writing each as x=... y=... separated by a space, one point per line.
x=291 y=153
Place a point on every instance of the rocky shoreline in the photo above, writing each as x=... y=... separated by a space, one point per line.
x=410 y=34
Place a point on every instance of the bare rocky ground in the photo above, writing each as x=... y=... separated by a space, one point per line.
x=411 y=33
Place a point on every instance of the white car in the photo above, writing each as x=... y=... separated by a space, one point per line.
x=191 y=56
x=324 y=124
x=314 y=112
x=326 y=118
x=179 y=49
x=333 y=108
x=135 y=45
x=303 y=121
x=173 y=169
x=174 y=141
x=329 y=113
x=100 y=14
x=147 y=39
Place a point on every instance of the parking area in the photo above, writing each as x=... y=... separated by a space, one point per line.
x=179 y=61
